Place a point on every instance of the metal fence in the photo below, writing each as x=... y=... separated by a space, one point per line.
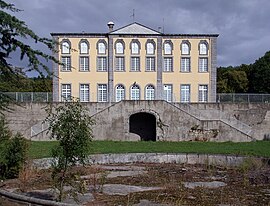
x=221 y=97
x=30 y=96
x=243 y=98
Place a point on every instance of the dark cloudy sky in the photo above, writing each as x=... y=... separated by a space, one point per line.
x=243 y=25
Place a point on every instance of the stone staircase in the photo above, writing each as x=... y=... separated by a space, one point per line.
x=217 y=115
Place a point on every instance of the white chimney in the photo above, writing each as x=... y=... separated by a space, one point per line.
x=110 y=25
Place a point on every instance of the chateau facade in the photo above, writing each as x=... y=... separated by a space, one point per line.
x=135 y=63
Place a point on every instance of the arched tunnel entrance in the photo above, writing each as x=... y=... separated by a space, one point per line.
x=144 y=125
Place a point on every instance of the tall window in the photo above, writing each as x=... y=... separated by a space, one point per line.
x=185 y=93
x=135 y=64
x=102 y=93
x=150 y=48
x=150 y=64
x=167 y=48
x=203 y=64
x=149 y=92
x=203 y=48
x=135 y=92
x=168 y=66
x=185 y=64
x=119 y=92
x=101 y=48
x=167 y=92
x=65 y=47
x=65 y=92
x=119 y=48
x=185 y=48
x=84 y=47
x=102 y=64
x=134 y=48
x=84 y=93
x=203 y=93
x=66 y=60
x=84 y=63
x=119 y=64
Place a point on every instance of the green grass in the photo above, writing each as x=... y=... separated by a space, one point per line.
x=260 y=148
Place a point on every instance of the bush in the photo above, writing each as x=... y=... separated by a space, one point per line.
x=13 y=152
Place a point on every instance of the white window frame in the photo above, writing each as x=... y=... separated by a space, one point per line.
x=203 y=50
x=65 y=47
x=150 y=64
x=84 y=63
x=65 y=92
x=84 y=92
x=135 y=64
x=119 y=92
x=185 y=64
x=168 y=64
x=150 y=49
x=135 y=92
x=120 y=63
x=185 y=93
x=185 y=49
x=167 y=48
x=102 y=94
x=84 y=47
x=203 y=64
x=149 y=92
x=135 y=49
x=101 y=48
x=167 y=92
x=119 y=48
x=101 y=63
x=66 y=60
x=203 y=93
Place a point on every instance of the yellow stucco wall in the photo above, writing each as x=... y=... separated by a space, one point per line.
x=142 y=78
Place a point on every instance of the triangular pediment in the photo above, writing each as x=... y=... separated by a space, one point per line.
x=135 y=28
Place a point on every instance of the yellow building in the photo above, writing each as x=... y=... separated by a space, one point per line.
x=135 y=63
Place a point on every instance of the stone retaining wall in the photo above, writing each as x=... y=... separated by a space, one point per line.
x=222 y=160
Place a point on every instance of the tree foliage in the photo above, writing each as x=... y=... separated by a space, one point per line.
x=25 y=84
x=232 y=80
x=253 y=78
x=13 y=151
x=260 y=75
x=13 y=32
x=71 y=125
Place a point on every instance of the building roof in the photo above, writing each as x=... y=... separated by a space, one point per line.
x=132 y=29
x=135 y=28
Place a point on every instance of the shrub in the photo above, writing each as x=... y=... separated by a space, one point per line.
x=13 y=151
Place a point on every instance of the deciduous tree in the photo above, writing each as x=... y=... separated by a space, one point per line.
x=71 y=125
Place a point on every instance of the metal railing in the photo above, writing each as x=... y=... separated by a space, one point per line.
x=30 y=96
x=221 y=97
x=243 y=98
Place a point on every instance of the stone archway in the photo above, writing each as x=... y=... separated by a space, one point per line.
x=144 y=125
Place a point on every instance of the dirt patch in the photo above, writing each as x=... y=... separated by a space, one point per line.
x=247 y=184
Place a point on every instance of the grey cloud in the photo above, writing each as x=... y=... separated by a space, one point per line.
x=243 y=25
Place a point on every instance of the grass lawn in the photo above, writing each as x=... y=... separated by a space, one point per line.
x=42 y=149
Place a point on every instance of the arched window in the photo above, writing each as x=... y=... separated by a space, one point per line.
x=185 y=48
x=101 y=48
x=149 y=92
x=83 y=47
x=119 y=92
x=150 y=48
x=135 y=92
x=134 y=48
x=203 y=47
x=167 y=48
x=119 y=48
x=65 y=47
